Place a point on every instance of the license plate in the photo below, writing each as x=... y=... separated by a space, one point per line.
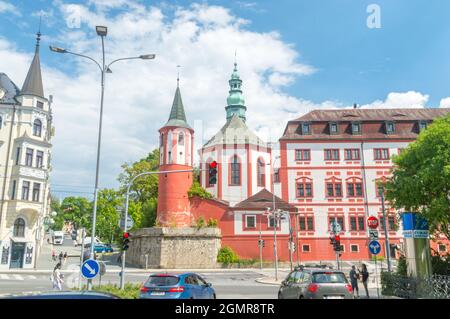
x=334 y=297
x=158 y=293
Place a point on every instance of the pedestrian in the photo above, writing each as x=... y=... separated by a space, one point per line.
x=57 y=277
x=53 y=255
x=365 y=278
x=119 y=258
x=65 y=257
x=61 y=256
x=48 y=240
x=354 y=276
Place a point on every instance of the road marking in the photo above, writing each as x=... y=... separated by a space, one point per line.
x=32 y=277
x=4 y=277
x=18 y=277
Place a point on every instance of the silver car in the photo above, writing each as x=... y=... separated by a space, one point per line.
x=307 y=283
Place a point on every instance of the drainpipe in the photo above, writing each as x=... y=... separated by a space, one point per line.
x=8 y=152
x=366 y=203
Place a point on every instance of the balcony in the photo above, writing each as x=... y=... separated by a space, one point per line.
x=29 y=172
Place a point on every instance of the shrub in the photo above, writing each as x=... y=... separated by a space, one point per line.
x=402 y=267
x=200 y=222
x=212 y=222
x=130 y=291
x=197 y=190
x=227 y=256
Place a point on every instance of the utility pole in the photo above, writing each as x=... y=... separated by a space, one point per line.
x=386 y=235
x=260 y=243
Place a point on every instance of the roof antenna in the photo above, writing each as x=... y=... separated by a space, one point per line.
x=38 y=38
x=355 y=105
x=178 y=75
x=235 y=59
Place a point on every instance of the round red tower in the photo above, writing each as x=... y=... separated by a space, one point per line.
x=176 y=153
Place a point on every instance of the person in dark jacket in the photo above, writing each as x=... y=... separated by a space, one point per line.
x=365 y=278
x=354 y=276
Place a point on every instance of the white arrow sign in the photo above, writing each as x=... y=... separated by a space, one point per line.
x=92 y=271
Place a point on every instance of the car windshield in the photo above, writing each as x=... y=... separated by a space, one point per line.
x=162 y=281
x=329 y=278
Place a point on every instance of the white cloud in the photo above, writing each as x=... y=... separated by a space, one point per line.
x=200 y=38
x=445 y=103
x=6 y=7
x=410 y=99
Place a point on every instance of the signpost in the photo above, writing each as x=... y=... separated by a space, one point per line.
x=374 y=247
x=373 y=234
x=130 y=223
x=90 y=269
x=372 y=222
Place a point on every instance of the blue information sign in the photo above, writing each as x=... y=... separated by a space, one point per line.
x=374 y=247
x=414 y=226
x=90 y=269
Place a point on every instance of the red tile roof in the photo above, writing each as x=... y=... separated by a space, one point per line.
x=263 y=200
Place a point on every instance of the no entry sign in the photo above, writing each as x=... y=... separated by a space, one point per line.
x=372 y=222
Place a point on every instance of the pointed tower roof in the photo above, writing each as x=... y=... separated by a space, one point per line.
x=235 y=100
x=177 y=116
x=33 y=81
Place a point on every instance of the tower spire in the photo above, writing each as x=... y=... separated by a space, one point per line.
x=235 y=100
x=33 y=81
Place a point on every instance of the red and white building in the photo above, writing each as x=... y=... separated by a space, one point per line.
x=330 y=164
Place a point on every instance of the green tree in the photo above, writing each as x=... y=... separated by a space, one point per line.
x=108 y=214
x=77 y=210
x=421 y=177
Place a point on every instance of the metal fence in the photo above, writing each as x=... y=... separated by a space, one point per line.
x=433 y=287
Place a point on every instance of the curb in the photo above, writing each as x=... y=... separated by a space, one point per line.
x=266 y=281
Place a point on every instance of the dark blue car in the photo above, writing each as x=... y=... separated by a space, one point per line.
x=177 y=286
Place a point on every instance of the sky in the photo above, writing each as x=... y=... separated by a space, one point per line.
x=293 y=56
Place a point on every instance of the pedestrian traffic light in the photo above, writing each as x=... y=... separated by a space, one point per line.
x=125 y=241
x=212 y=180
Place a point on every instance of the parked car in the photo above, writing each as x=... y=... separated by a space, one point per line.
x=177 y=286
x=64 y=295
x=103 y=248
x=315 y=283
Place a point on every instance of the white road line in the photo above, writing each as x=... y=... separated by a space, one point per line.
x=18 y=277
x=4 y=277
x=32 y=277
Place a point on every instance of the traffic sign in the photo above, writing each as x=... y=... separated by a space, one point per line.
x=372 y=222
x=90 y=269
x=130 y=223
x=373 y=234
x=374 y=247
x=335 y=227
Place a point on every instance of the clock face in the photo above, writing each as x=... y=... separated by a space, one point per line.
x=2 y=93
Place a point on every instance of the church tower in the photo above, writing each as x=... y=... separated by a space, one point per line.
x=176 y=153
x=235 y=100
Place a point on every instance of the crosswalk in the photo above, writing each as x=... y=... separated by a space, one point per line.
x=18 y=277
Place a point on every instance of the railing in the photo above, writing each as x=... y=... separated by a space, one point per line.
x=433 y=287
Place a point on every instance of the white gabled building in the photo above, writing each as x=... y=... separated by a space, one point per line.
x=25 y=153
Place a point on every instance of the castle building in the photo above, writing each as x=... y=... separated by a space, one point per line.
x=25 y=153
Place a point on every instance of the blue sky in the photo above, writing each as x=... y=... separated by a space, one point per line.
x=293 y=56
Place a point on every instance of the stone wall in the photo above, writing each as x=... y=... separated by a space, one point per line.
x=174 y=247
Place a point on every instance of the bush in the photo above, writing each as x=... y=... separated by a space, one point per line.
x=402 y=267
x=247 y=262
x=200 y=222
x=440 y=265
x=227 y=256
x=212 y=222
x=130 y=291
x=197 y=190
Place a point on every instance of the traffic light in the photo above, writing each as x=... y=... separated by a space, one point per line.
x=125 y=241
x=337 y=243
x=212 y=173
x=261 y=243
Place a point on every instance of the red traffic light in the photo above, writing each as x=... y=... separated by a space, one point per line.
x=213 y=164
x=337 y=237
x=126 y=235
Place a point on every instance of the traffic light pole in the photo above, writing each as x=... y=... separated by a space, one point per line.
x=122 y=277
x=386 y=235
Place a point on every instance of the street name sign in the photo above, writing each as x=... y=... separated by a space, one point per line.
x=374 y=247
x=90 y=269
x=414 y=226
x=373 y=234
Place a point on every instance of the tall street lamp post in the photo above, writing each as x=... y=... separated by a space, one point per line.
x=102 y=31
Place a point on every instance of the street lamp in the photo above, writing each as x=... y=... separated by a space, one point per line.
x=102 y=31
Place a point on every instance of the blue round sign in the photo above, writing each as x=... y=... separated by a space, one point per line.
x=374 y=247
x=90 y=269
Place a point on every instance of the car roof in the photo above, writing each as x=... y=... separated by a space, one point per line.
x=184 y=274
x=63 y=295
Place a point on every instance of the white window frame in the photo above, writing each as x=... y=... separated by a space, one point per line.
x=246 y=221
x=354 y=245
x=439 y=248
x=303 y=250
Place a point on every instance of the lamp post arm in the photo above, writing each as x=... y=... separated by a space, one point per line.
x=121 y=59
x=87 y=57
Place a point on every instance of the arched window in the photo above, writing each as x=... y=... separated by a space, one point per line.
x=181 y=138
x=235 y=169
x=37 y=127
x=260 y=173
x=19 y=228
x=161 y=140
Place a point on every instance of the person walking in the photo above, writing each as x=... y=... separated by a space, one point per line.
x=53 y=255
x=57 y=277
x=365 y=278
x=60 y=257
x=65 y=257
x=354 y=276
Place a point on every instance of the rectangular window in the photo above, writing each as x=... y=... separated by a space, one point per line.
x=381 y=153
x=13 y=193
x=352 y=154
x=40 y=105
x=330 y=190
x=39 y=159
x=356 y=128
x=306 y=248
x=350 y=189
x=390 y=127
x=302 y=155
x=235 y=173
x=276 y=175
x=250 y=221
x=353 y=225
x=334 y=128
x=18 y=156
x=332 y=154
x=339 y=220
x=422 y=125
x=361 y=223
x=302 y=223
x=306 y=223
x=391 y=222
x=310 y=223
x=29 y=157
x=358 y=189
x=306 y=128
x=354 y=248
x=354 y=190
x=36 y=191
x=334 y=190
x=271 y=222
x=304 y=190
x=25 y=190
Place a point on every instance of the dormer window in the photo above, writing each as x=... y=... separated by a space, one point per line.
x=40 y=104
x=306 y=128
x=356 y=128
x=334 y=128
x=422 y=125
x=390 y=127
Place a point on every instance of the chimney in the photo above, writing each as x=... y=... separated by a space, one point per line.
x=355 y=106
